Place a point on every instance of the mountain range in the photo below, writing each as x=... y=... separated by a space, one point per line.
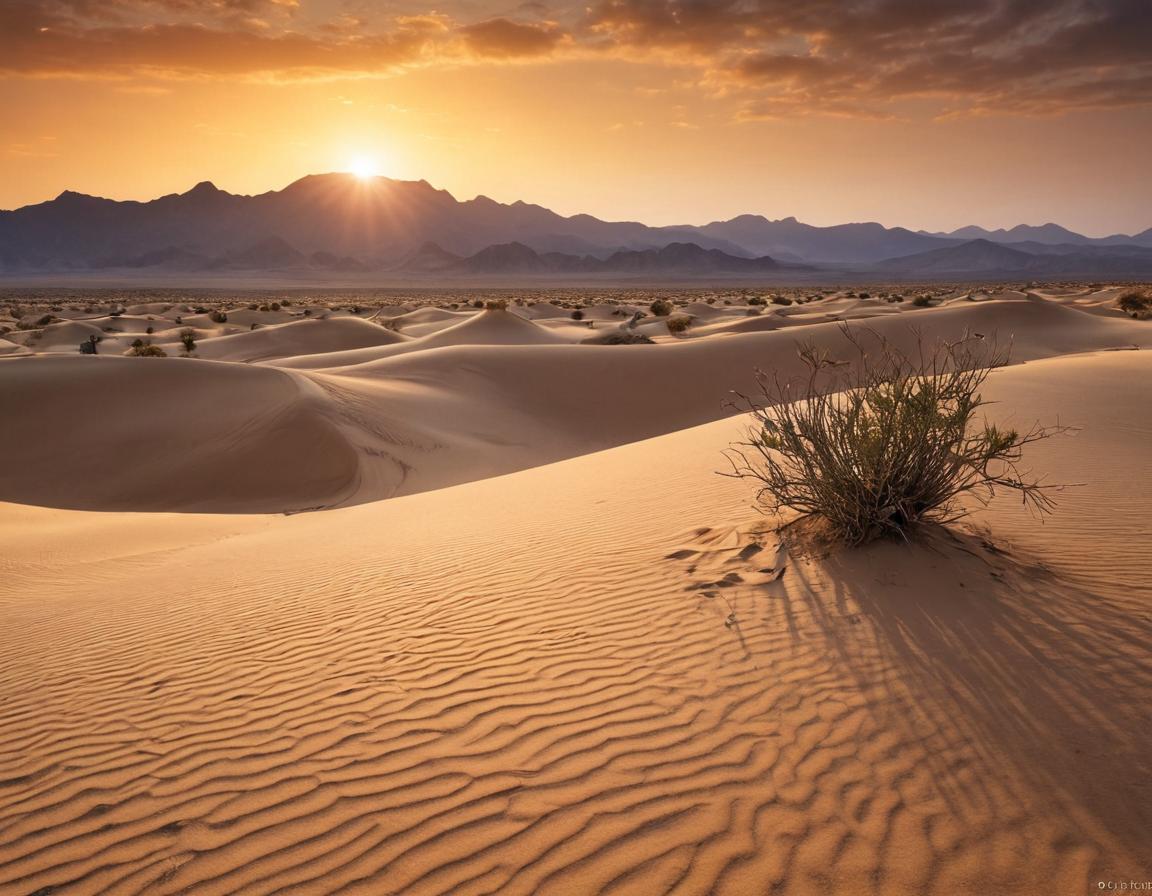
x=340 y=223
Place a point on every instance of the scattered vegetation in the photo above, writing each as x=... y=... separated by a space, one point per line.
x=661 y=307
x=188 y=339
x=577 y=314
x=496 y=305
x=679 y=323
x=143 y=349
x=218 y=317
x=878 y=444
x=923 y=301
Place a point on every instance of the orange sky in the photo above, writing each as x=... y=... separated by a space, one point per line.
x=993 y=112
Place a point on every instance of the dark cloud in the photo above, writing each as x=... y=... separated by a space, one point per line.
x=865 y=55
x=505 y=39
x=775 y=57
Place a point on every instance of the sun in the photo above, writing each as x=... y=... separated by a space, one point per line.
x=363 y=167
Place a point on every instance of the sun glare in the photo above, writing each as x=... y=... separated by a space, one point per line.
x=363 y=167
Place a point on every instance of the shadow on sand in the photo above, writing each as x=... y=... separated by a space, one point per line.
x=1049 y=676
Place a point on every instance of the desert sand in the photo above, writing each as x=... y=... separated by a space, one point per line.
x=533 y=644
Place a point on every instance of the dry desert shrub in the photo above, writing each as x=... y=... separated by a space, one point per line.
x=1135 y=303
x=878 y=444
x=661 y=307
x=143 y=349
x=620 y=337
x=679 y=323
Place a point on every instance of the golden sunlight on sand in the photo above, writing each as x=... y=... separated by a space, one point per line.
x=564 y=656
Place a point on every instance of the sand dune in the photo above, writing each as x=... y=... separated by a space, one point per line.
x=482 y=328
x=526 y=684
x=104 y=433
x=487 y=395
x=299 y=337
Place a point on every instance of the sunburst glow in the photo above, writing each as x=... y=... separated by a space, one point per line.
x=363 y=167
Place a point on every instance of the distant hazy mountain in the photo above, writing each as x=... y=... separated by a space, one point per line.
x=336 y=222
x=1047 y=234
x=686 y=259
x=983 y=256
x=378 y=222
x=790 y=239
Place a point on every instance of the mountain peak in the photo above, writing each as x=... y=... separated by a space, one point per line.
x=204 y=188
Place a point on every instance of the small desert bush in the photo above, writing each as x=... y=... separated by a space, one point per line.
x=757 y=300
x=218 y=317
x=188 y=339
x=679 y=323
x=1134 y=302
x=888 y=440
x=661 y=307
x=142 y=349
x=577 y=314
x=496 y=305
x=781 y=300
x=37 y=323
x=923 y=301
x=622 y=337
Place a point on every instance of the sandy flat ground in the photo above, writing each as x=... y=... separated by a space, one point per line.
x=486 y=668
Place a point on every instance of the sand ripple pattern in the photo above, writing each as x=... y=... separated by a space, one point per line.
x=533 y=685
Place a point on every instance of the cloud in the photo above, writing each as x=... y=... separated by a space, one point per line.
x=866 y=56
x=767 y=58
x=78 y=37
x=504 y=39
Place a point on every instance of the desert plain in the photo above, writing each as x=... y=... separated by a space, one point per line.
x=388 y=594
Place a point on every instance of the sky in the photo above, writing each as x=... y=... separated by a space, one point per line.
x=929 y=114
